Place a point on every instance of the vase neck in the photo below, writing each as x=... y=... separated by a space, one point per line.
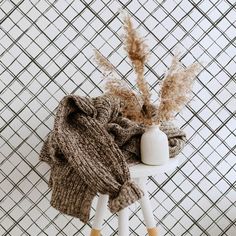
x=153 y=127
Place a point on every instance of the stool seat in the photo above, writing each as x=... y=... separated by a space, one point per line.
x=139 y=173
x=143 y=170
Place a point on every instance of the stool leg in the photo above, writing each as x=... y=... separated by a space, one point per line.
x=123 y=222
x=99 y=215
x=147 y=209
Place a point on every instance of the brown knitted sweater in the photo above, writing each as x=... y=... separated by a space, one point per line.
x=89 y=151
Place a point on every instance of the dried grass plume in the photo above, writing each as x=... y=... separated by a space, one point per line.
x=176 y=89
x=131 y=102
x=103 y=63
x=138 y=53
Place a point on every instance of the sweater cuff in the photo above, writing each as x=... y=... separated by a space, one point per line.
x=128 y=194
x=74 y=200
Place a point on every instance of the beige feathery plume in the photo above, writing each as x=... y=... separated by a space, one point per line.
x=175 y=89
x=115 y=86
x=138 y=53
x=103 y=62
x=131 y=102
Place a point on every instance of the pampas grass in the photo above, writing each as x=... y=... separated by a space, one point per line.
x=138 y=53
x=131 y=102
x=175 y=89
x=135 y=47
x=103 y=63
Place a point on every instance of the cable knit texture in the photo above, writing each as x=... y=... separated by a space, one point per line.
x=90 y=150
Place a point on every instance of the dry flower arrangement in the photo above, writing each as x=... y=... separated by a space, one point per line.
x=175 y=89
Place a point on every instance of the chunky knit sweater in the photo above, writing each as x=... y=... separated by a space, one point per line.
x=89 y=151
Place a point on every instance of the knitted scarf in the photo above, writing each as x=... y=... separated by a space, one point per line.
x=89 y=151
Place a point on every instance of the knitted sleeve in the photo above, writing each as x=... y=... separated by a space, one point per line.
x=45 y=153
x=176 y=138
x=89 y=148
x=124 y=129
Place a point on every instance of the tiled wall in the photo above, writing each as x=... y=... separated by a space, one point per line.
x=46 y=50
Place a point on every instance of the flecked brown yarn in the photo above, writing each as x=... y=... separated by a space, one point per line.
x=89 y=151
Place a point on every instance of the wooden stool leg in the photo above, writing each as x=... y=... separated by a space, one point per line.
x=99 y=215
x=146 y=209
x=123 y=222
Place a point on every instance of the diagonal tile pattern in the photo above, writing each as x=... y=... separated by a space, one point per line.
x=46 y=53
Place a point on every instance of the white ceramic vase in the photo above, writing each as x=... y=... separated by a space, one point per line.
x=154 y=146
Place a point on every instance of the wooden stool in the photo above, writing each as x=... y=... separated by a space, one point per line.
x=139 y=174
